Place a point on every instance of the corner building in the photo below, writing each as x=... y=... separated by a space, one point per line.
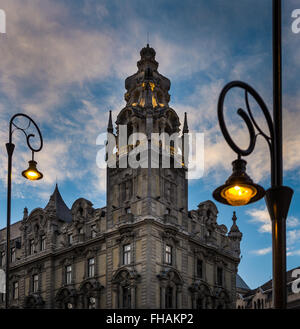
x=145 y=249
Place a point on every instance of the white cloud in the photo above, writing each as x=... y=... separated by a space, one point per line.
x=293 y=253
x=293 y=236
x=262 y=218
x=262 y=252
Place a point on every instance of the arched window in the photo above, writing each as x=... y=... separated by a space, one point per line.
x=199 y=303
x=124 y=287
x=126 y=297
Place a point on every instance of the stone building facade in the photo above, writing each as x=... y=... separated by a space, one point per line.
x=145 y=249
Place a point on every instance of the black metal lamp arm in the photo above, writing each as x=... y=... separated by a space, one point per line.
x=248 y=118
x=24 y=130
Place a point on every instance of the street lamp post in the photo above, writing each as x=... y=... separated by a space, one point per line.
x=31 y=173
x=239 y=188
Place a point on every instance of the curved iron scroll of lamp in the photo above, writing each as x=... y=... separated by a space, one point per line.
x=277 y=197
x=35 y=175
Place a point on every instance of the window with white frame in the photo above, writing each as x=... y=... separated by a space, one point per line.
x=35 y=283
x=13 y=255
x=2 y=258
x=31 y=247
x=126 y=254
x=43 y=243
x=93 y=231
x=168 y=254
x=91 y=267
x=68 y=270
x=16 y=290
x=70 y=239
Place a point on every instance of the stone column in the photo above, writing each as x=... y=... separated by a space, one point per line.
x=194 y=299
x=115 y=290
x=133 y=297
x=179 y=296
x=163 y=295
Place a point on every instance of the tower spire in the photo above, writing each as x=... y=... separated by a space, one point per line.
x=110 y=127
x=185 y=124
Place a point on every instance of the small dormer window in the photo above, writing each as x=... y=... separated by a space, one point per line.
x=43 y=243
x=70 y=239
x=13 y=255
x=80 y=211
x=31 y=247
x=93 y=231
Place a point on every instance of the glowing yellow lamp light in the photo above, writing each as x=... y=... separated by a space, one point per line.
x=238 y=195
x=239 y=188
x=31 y=172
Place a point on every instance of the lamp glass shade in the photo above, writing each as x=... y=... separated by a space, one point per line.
x=238 y=194
x=31 y=172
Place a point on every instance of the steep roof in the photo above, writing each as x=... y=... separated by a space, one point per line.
x=241 y=284
x=14 y=231
x=57 y=205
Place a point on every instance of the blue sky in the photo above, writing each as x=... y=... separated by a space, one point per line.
x=65 y=62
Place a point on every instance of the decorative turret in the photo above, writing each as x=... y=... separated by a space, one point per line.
x=235 y=235
x=185 y=124
x=25 y=213
x=147 y=88
x=110 y=127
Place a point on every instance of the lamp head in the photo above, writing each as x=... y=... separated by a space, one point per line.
x=31 y=172
x=239 y=188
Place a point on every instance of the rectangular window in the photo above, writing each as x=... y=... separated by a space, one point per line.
x=70 y=239
x=16 y=290
x=219 y=276
x=68 y=274
x=31 y=247
x=93 y=231
x=128 y=210
x=13 y=255
x=43 y=243
x=126 y=254
x=168 y=254
x=35 y=286
x=91 y=267
x=2 y=259
x=199 y=268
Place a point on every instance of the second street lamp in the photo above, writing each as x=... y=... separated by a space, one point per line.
x=31 y=173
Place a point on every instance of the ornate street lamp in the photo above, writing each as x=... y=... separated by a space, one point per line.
x=239 y=188
x=31 y=173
